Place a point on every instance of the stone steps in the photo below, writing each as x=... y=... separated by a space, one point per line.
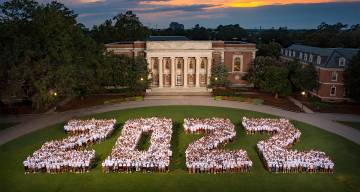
x=195 y=91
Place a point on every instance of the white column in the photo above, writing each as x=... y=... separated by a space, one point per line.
x=149 y=64
x=197 y=68
x=186 y=64
x=173 y=72
x=222 y=57
x=208 y=73
x=161 y=72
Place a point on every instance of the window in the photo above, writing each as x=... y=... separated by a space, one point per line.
x=311 y=58
x=167 y=64
x=334 y=76
x=300 y=55
x=342 y=61
x=305 y=56
x=294 y=54
x=237 y=64
x=286 y=52
x=203 y=63
x=318 y=60
x=192 y=63
x=155 y=63
x=333 y=90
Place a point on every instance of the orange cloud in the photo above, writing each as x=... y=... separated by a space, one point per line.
x=238 y=3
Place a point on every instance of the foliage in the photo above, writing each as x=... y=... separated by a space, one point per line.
x=219 y=75
x=271 y=49
x=47 y=55
x=282 y=78
x=275 y=80
x=352 y=78
x=123 y=27
x=302 y=77
x=230 y=32
x=44 y=52
x=258 y=68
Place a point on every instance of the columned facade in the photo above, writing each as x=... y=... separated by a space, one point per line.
x=185 y=64
x=182 y=64
x=180 y=71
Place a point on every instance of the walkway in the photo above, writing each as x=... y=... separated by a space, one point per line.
x=324 y=121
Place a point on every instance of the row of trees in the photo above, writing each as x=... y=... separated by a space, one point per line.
x=128 y=27
x=45 y=54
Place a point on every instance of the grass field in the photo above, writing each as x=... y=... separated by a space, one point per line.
x=355 y=125
x=345 y=154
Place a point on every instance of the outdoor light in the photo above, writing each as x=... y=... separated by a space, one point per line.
x=303 y=93
x=216 y=78
x=142 y=79
x=55 y=94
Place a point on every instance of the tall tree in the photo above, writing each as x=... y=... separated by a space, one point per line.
x=258 y=68
x=275 y=81
x=219 y=75
x=271 y=49
x=352 y=78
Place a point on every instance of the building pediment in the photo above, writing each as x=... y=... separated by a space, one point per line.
x=179 y=45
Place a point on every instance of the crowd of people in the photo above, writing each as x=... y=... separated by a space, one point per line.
x=125 y=157
x=202 y=156
x=275 y=152
x=68 y=154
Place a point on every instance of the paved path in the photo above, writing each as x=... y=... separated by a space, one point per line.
x=324 y=121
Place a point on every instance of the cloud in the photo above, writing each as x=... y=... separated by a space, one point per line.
x=211 y=13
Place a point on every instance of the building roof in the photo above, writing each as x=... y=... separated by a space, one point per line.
x=167 y=38
x=332 y=55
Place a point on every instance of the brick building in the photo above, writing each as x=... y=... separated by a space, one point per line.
x=330 y=64
x=178 y=64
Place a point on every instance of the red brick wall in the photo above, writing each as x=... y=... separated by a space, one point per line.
x=325 y=76
x=324 y=91
x=228 y=61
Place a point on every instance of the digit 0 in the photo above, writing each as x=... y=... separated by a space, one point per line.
x=126 y=158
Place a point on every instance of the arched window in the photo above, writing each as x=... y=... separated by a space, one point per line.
x=237 y=64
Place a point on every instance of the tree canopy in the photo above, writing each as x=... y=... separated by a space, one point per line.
x=352 y=78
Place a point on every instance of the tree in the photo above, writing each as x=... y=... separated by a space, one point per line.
x=138 y=75
x=176 y=26
x=275 y=81
x=129 y=28
x=302 y=77
x=271 y=49
x=45 y=51
x=123 y=27
x=219 y=75
x=230 y=32
x=352 y=78
x=258 y=69
x=199 y=33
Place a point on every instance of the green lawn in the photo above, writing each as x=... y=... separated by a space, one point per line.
x=355 y=125
x=345 y=154
x=6 y=125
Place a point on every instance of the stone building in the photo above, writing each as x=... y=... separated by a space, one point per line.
x=330 y=64
x=178 y=64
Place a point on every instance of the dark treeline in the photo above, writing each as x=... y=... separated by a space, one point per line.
x=325 y=35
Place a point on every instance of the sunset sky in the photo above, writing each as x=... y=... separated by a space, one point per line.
x=249 y=14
